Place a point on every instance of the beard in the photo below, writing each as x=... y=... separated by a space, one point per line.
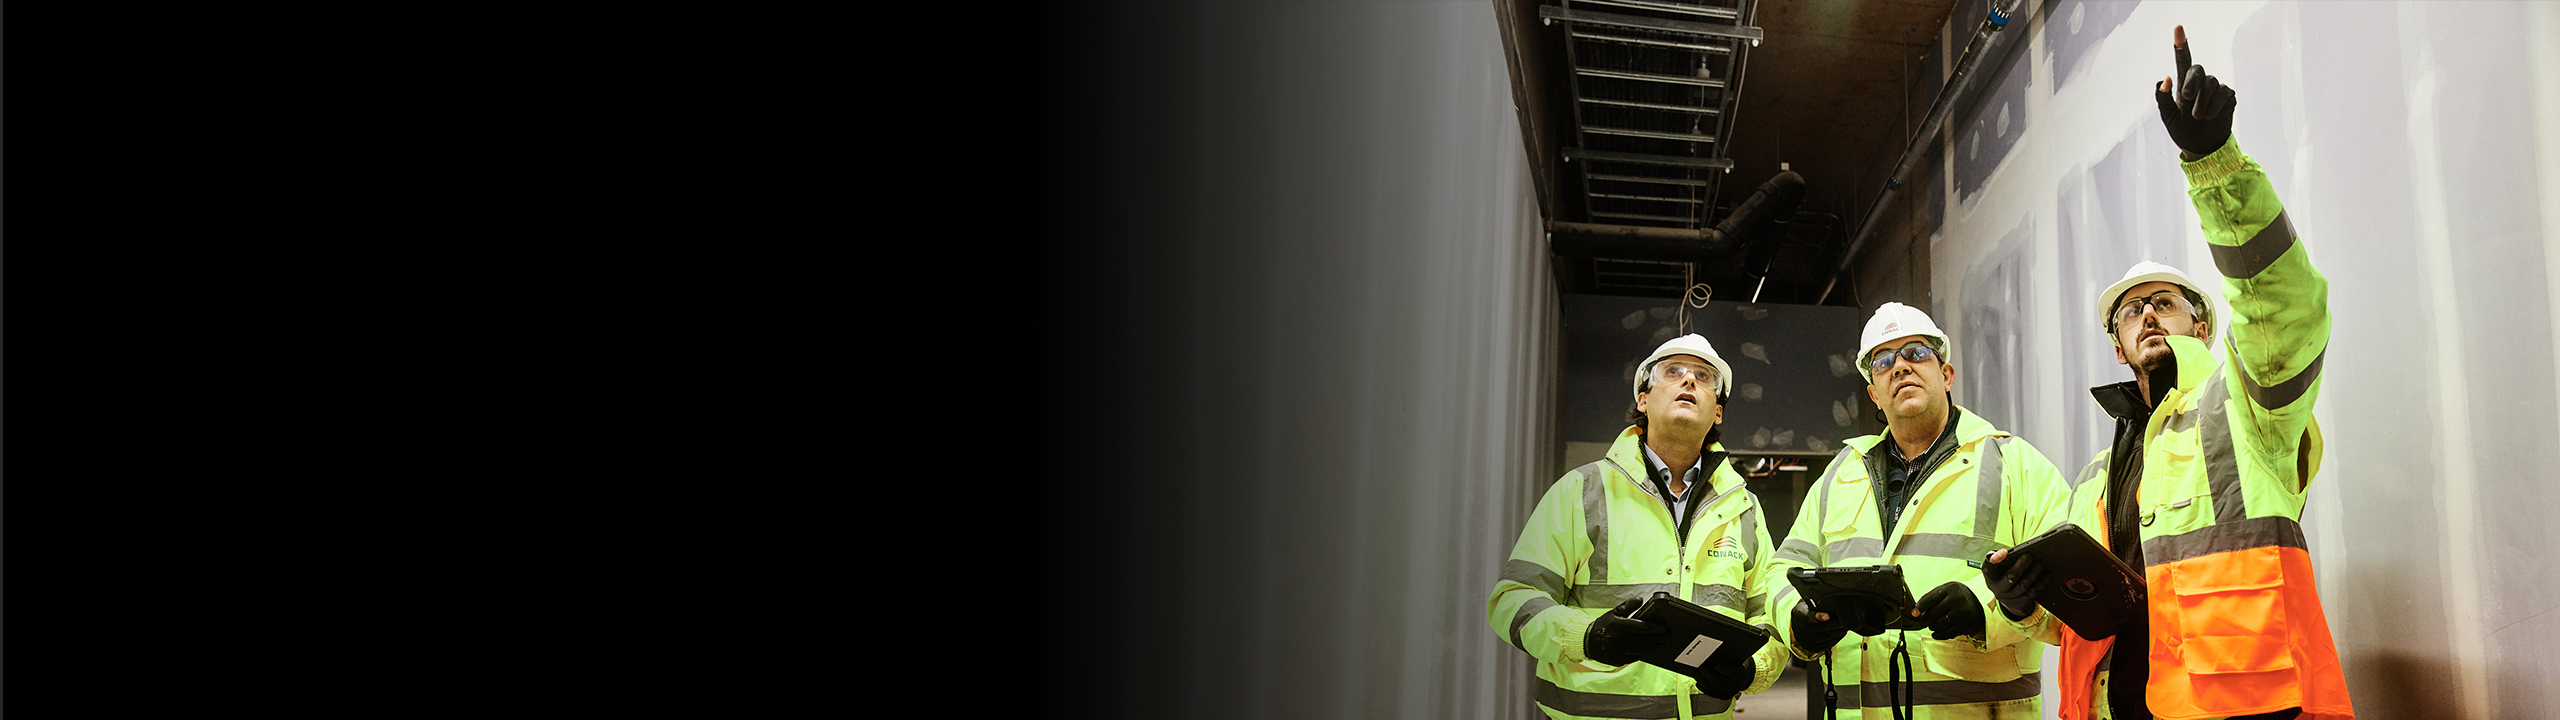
x=2146 y=359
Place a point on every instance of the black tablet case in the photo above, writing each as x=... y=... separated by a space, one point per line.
x=1881 y=584
x=1697 y=634
x=2086 y=586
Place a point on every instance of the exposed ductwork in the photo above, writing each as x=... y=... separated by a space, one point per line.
x=1746 y=227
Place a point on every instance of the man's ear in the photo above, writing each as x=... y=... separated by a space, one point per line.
x=2112 y=344
x=2204 y=331
x=1950 y=369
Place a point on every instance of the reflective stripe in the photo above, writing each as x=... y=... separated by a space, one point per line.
x=1535 y=576
x=1750 y=539
x=1718 y=595
x=2256 y=532
x=2284 y=393
x=1849 y=696
x=2246 y=260
x=2221 y=461
x=1855 y=548
x=1634 y=707
x=1755 y=605
x=1595 y=519
x=1609 y=595
x=1947 y=545
x=1796 y=550
x=1520 y=618
x=1986 y=491
x=1822 y=505
x=1948 y=692
x=1782 y=600
x=2178 y=422
x=2096 y=468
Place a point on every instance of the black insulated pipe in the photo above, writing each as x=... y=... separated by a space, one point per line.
x=1775 y=202
x=1984 y=35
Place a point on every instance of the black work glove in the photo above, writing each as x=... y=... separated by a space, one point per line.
x=1616 y=639
x=1725 y=680
x=1813 y=635
x=2198 y=114
x=2013 y=578
x=1950 y=610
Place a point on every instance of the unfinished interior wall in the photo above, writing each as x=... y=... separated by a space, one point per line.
x=2417 y=149
x=1307 y=330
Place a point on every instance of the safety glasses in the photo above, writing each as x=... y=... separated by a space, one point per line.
x=1915 y=351
x=2166 y=303
x=1671 y=373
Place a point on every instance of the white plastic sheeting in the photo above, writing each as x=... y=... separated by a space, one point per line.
x=2417 y=148
x=1313 y=324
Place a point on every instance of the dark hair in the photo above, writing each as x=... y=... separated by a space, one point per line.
x=2204 y=308
x=1636 y=416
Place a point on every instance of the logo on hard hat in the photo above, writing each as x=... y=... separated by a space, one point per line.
x=1891 y=326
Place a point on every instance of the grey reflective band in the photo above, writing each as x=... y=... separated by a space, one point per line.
x=1855 y=548
x=1755 y=604
x=2095 y=469
x=2221 y=461
x=1595 y=519
x=1750 y=536
x=1718 y=595
x=1949 y=692
x=1848 y=693
x=1781 y=600
x=1634 y=707
x=1986 y=490
x=1822 y=505
x=2246 y=260
x=1534 y=575
x=2284 y=393
x=1608 y=596
x=1947 y=545
x=2256 y=532
x=2179 y=422
x=1520 y=618
x=1796 y=550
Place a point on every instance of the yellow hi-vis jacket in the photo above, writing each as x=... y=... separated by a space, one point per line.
x=2236 y=626
x=1601 y=535
x=1994 y=492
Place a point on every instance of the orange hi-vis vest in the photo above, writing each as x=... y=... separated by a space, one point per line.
x=2235 y=620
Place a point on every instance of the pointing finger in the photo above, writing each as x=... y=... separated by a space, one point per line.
x=2180 y=32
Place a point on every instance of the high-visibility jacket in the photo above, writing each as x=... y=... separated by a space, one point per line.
x=2235 y=620
x=1993 y=492
x=1602 y=534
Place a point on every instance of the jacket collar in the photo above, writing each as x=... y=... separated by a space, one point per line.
x=1970 y=427
x=1627 y=453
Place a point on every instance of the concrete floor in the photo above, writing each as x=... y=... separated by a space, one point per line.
x=1784 y=700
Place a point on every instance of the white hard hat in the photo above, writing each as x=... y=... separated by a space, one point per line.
x=1690 y=344
x=1892 y=321
x=2143 y=272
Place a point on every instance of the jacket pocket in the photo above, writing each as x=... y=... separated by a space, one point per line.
x=2230 y=612
x=1957 y=659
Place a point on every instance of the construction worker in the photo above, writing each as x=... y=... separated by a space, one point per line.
x=1663 y=512
x=1937 y=492
x=2203 y=487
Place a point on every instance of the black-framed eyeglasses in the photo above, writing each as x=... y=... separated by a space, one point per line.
x=2166 y=303
x=1915 y=351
